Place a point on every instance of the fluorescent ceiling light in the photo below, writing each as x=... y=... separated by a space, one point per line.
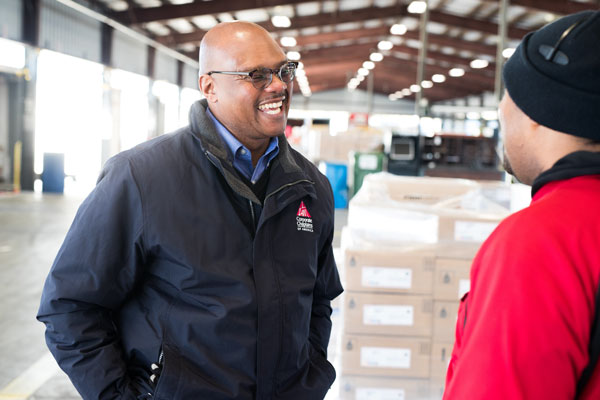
x=426 y=84
x=398 y=29
x=456 y=72
x=417 y=7
x=438 y=78
x=369 y=65
x=506 y=53
x=288 y=41
x=376 y=57
x=385 y=45
x=293 y=55
x=479 y=63
x=415 y=88
x=281 y=21
x=363 y=71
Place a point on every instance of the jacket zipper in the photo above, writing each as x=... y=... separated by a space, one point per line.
x=286 y=186
x=253 y=216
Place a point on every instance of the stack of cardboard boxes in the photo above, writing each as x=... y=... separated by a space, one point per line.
x=407 y=249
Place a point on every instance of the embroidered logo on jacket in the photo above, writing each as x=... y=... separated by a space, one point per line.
x=303 y=219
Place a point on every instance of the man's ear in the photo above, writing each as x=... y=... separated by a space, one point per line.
x=207 y=88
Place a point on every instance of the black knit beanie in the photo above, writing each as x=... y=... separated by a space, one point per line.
x=559 y=86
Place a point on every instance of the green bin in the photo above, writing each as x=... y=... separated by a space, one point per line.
x=364 y=164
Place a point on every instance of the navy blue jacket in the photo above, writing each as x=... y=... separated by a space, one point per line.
x=173 y=260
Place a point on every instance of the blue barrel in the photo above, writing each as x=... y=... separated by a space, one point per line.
x=338 y=178
x=53 y=177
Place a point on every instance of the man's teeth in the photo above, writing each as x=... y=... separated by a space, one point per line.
x=271 y=108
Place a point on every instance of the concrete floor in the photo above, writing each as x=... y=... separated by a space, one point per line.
x=32 y=228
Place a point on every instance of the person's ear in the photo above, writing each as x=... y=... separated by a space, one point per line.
x=208 y=88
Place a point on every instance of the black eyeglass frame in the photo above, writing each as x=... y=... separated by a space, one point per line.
x=267 y=71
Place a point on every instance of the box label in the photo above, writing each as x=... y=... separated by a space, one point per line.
x=385 y=357
x=367 y=162
x=464 y=285
x=375 y=314
x=468 y=231
x=394 y=278
x=379 y=394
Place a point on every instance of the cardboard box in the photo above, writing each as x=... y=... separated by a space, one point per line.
x=467 y=227
x=451 y=278
x=386 y=356
x=444 y=320
x=441 y=351
x=388 y=314
x=369 y=388
x=392 y=271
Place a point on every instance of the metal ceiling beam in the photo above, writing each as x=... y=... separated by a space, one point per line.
x=359 y=15
x=173 y=11
x=556 y=6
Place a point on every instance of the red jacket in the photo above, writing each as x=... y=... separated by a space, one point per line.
x=524 y=328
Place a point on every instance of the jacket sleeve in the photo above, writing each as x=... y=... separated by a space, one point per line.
x=523 y=330
x=327 y=288
x=93 y=273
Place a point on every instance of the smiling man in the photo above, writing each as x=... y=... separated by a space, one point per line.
x=201 y=266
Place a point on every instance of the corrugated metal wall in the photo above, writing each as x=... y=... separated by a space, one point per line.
x=11 y=19
x=65 y=30
x=129 y=54
x=190 y=77
x=165 y=68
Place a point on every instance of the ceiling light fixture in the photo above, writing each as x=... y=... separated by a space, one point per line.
x=369 y=65
x=281 y=21
x=479 y=63
x=415 y=88
x=438 y=78
x=293 y=55
x=288 y=41
x=398 y=29
x=376 y=57
x=426 y=84
x=385 y=45
x=417 y=7
x=456 y=72
x=363 y=71
x=506 y=53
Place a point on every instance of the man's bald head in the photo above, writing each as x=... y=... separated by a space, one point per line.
x=223 y=47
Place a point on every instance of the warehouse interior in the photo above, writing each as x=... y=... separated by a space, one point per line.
x=395 y=101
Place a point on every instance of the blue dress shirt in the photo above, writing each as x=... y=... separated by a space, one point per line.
x=239 y=154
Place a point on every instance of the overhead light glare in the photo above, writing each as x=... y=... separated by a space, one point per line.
x=438 y=78
x=479 y=63
x=426 y=84
x=293 y=55
x=417 y=7
x=385 y=45
x=415 y=88
x=281 y=21
x=369 y=65
x=456 y=72
x=506 y=53
x=288 y=41
x=392 y=97
x=406 y=92
x=398 y=29
x=376 y=57
x=363 y=71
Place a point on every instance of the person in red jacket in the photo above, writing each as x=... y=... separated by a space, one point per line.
x=529 y=327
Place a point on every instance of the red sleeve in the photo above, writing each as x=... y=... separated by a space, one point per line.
x=523 y=330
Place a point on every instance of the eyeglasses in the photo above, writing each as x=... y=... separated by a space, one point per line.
x=262 y=77
x=551 y=53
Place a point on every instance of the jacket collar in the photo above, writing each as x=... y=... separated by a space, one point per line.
x=285 y=163
x=570 y=166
